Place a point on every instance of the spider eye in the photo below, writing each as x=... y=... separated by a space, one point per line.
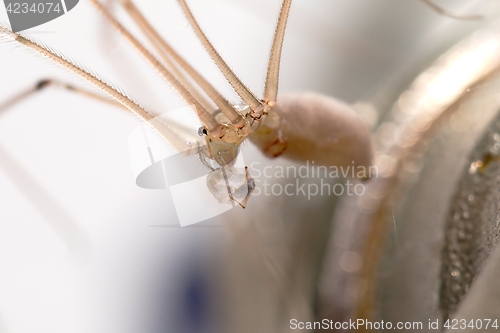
x=202 y=131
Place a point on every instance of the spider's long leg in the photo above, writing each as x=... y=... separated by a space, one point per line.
x=168 y=134
x=206 y=118
x=272 y=79
x=43 y=84
x=162 y=45
x=445 y=12
x=246 y=95
x=56 y=216
x=17 y=98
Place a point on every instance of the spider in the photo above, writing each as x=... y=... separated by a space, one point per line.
x=330 y=132
x=340 y=136
x=223 y=159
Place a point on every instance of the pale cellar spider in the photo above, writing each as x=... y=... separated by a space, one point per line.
x=77 y=201
x=330 y=132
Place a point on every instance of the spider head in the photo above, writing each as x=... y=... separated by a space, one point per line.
x=222 y=152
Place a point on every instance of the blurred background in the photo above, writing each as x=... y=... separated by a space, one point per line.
x=82 y=248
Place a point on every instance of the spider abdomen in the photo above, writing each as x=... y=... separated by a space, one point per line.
x=313 y=127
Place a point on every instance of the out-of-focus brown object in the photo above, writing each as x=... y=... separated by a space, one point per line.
x=413 y=231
